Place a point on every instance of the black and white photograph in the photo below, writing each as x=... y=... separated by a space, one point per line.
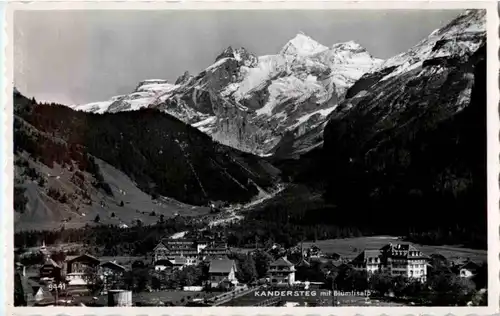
x=251 y=158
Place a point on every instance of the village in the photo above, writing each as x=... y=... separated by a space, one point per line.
x=195 y=270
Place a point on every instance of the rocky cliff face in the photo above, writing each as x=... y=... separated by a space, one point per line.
x=385 y=91
x=412 y=134
x=251 y=102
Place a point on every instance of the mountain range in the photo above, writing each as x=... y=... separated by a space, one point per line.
x=250 y=102
x=372 y=140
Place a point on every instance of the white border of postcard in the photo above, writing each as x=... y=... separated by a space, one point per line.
x=493 y=157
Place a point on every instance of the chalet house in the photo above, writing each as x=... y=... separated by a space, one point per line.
x=282 y=271
x=171 y=248
x=395 y=259
x=78 y=269
x=110 y=272
x=222 y=270
x=468 y=269
x=51 y=271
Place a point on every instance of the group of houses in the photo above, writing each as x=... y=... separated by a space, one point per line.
x=178 y=253
x=222 y=272
x=70 y=276
x=394 y=259
x=75 y=272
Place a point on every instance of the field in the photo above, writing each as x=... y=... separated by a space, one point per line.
x=351 y=247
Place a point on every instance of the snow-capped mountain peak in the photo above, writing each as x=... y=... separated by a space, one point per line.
x=250 y=102
x=350 y=45
x=302 y=45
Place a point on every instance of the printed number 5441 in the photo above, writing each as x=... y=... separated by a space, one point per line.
x=60 y=286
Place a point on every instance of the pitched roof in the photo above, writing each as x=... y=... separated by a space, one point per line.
x=83 y=257
x=216 y=257
x=160 y=245
x=282 y=262
x=403 y=250
x=221 y=266
x=69 y=258
x=365 y=254
x=113 y=265
x=303 y=263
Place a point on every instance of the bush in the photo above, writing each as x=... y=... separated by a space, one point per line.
x=54 y=193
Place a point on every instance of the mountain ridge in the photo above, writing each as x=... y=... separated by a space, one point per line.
x=287 y=92
x=142 y=147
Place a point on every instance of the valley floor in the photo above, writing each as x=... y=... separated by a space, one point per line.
x=350 y=247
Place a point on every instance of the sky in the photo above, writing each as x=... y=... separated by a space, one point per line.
x=77 y=57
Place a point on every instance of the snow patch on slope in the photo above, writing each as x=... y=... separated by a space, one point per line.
x=458 y=38
x=289 y=88
x=301 y=120
x=94 y=107
x=147 y=92
x=205 y=125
